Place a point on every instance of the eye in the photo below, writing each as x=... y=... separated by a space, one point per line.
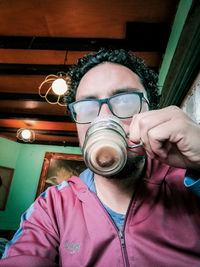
x=86 y=110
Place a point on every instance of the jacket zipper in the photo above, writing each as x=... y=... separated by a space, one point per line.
x=120 y=232
x=123 y=247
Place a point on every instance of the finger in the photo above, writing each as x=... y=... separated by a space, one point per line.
x=144 y=122
x=149 y=119
x=160 y=150
x=161 y=139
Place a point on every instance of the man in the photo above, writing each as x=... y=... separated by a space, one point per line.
x=142 y=216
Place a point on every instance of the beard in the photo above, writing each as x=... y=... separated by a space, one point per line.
x=133 y=169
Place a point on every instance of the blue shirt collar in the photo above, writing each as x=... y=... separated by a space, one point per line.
x=87 y=177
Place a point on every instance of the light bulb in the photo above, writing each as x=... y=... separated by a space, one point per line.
x=59 y=86
x=26 y=134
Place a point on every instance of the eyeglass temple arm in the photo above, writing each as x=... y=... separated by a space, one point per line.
x=146 y=100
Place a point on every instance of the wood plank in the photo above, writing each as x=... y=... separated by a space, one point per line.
x=32 y=107
x=77 y=18
x=30 y=56
x=20 y=83
x=42 y=125
x=22 y=56
x=45 y=140
x=58 y=138
x=41 y=137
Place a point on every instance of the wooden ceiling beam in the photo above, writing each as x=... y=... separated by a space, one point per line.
x=31 y=56
x=51 y=143
x=32 y=69
x=35 y=69
x=140 y=36
x=42 y=132
x=35 y=117
x=54 y=57
x=66 y=44
x=44 y=138
x=35 y=125
x=22 y=97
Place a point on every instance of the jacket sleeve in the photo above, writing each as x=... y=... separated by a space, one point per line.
x=25 y=260
x=192 y=182
x=37 y=240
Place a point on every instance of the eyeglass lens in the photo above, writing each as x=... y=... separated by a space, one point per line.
x=122 y=106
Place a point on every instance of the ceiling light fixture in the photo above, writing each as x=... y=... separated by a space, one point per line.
x=26 y=135
x=55 y=87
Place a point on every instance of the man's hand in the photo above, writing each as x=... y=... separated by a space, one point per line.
x=168 y=135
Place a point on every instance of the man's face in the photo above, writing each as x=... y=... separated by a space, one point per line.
x=105 y=80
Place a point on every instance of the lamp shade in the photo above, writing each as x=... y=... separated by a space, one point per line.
x=54 y=87
x=26 y=135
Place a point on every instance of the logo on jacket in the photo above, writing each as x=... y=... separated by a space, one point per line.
x=72 y=247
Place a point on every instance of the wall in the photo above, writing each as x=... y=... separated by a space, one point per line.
x=27 y=160
x=179 y=21
x=191 y=102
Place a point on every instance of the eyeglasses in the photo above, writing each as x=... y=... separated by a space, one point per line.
x=123 y=105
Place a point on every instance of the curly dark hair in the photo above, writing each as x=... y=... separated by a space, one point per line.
x=147 y=76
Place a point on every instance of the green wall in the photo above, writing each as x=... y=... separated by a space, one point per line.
x=179 y=21
x=27 y=160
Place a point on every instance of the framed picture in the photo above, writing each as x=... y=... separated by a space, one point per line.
x=58 y=167
x=6 y=175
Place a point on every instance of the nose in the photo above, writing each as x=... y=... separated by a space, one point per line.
x=105 y=110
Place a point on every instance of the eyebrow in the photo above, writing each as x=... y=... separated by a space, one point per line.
x=87 y=97
x=127 y=89
x=114 y=92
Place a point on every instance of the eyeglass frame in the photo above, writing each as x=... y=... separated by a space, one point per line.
x=106 y=100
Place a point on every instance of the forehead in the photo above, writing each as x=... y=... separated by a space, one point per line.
x=108 y=77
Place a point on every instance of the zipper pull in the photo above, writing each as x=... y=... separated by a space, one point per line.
x=122 y=240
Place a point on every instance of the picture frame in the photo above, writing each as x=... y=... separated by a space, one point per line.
x=58 y=167
x=6 y=175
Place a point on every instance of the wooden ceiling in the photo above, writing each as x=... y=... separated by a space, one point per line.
x=42 y=37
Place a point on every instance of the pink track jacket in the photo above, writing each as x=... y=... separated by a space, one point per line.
x=68 y=226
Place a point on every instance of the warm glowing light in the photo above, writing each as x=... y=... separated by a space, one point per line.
x=26 y=134
x=59 y=86
x=55 y=84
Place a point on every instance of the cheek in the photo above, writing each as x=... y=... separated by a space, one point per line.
x=82 y=129
x=126 y=124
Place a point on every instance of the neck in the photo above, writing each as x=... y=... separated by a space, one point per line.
x=117 y=193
